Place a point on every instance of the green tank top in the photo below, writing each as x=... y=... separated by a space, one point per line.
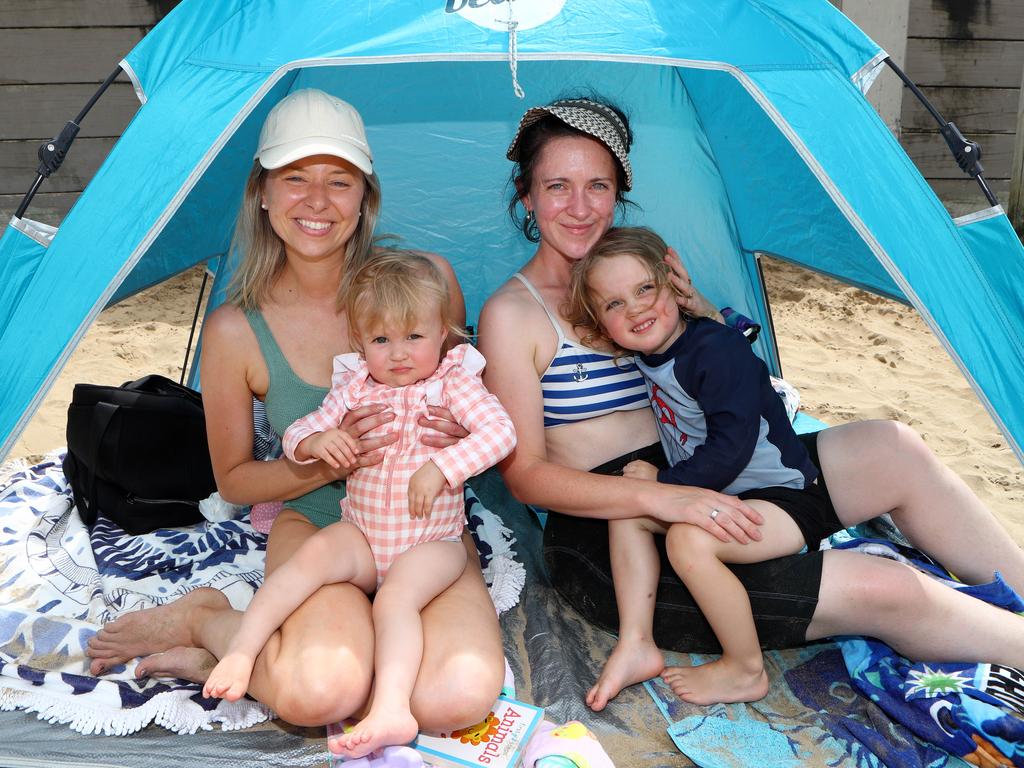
x=289 y=398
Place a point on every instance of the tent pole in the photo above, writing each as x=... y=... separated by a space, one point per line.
x=967 y=153
x=195 y=321
x=53 y=152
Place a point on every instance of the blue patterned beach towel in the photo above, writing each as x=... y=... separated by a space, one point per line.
x=59 y=584
x=58 y=587
x=973 y=711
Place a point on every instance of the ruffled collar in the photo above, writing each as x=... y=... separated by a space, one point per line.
x=351 y=373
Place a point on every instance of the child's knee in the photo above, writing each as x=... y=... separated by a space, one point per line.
x=689 y=547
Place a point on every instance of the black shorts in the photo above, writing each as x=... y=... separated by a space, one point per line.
x=783 y=592
x=811 y=508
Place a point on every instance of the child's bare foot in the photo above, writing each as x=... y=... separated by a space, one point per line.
x=380 y=728
x=153 y=630
x=718 y=682
x=632 y=661
x=230 y=678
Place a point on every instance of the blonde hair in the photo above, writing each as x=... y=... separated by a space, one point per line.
x=642 y=244
x=395 y=286
x=262 y=252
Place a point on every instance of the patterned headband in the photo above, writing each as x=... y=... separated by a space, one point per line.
x=591 y=117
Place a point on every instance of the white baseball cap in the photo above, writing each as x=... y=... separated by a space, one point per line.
x=310 y=122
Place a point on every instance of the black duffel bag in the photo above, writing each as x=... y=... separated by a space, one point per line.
x=138 y=454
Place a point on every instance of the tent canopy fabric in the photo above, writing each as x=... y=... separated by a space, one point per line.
x=752 y=136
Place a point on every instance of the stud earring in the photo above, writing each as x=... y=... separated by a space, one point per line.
x=263 y=206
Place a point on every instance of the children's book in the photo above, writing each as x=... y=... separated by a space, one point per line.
x=497 y=742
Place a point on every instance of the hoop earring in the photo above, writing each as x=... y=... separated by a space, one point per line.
x=530 y=228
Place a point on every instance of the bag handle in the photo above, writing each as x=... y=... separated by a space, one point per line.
x=102 y=416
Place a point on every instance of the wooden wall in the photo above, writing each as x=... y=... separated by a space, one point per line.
x=967 y=56
x=53 y=56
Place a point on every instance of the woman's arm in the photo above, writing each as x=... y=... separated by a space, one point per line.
x=229 y=353
x=507 y=340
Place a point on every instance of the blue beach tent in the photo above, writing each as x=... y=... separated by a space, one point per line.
x=753 y=136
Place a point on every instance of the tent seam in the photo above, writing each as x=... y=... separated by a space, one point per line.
x=876 y=248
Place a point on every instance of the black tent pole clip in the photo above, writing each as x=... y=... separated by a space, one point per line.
x=53 y=152
x=966 y=152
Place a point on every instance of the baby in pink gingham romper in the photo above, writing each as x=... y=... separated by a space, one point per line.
x=376 y=500
x=402 y=518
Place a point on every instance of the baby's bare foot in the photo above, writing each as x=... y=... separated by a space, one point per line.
x=230 y=678
x=380 y=728
x=632 y=661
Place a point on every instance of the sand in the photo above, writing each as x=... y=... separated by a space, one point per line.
x=851 y=354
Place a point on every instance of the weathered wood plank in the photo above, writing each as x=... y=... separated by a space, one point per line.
x=962 y=196
x=18 y=162
x=932 y=157
x=47 y=207
x=1015 y=207
x=85 y=55
x=985 y=110
x=76 y=13
x=984 y=63
x=967 y=19
x=40 y=111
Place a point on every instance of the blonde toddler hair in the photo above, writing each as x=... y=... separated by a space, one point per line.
x=395 y=286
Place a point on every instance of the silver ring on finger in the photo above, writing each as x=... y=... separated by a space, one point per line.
x=715 y=513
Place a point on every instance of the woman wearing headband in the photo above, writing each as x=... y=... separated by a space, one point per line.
x=584 y=415
x=307 y=219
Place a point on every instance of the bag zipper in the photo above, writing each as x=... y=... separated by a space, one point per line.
x=131 y=498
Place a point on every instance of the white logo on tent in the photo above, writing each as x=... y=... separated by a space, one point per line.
x=496 y=14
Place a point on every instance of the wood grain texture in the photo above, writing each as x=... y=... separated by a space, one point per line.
x=40 y=111
x=82 y=13
x=932 y=157
x=78 y=55
x=1015 y=206
x=967 y=19
x=984 y=110
x=979 y=63
x=961 y=196
x=18 y=162
x=47 y=207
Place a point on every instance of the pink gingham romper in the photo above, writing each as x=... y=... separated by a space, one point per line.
x=377 y=499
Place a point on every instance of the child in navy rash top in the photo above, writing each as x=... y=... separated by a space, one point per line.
x=721 y=423
x=722 y=427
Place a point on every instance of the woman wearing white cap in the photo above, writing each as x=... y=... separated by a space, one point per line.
x=585 y=415
x=307 y=220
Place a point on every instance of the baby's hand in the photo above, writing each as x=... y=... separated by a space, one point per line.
x=640 y=470
x=335 y=446
x=424 y=486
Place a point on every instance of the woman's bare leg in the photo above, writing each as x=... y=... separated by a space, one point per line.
x=416 y=577
x=315 y=670
x=918 y=616
x=635 y=571
x=463 y=659
x=874 y=467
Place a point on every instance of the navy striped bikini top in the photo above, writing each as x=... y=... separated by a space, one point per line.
x=581 y=383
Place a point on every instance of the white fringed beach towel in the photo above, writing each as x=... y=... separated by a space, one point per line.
x=58 y=585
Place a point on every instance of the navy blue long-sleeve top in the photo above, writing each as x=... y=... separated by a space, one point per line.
x=721 y=423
